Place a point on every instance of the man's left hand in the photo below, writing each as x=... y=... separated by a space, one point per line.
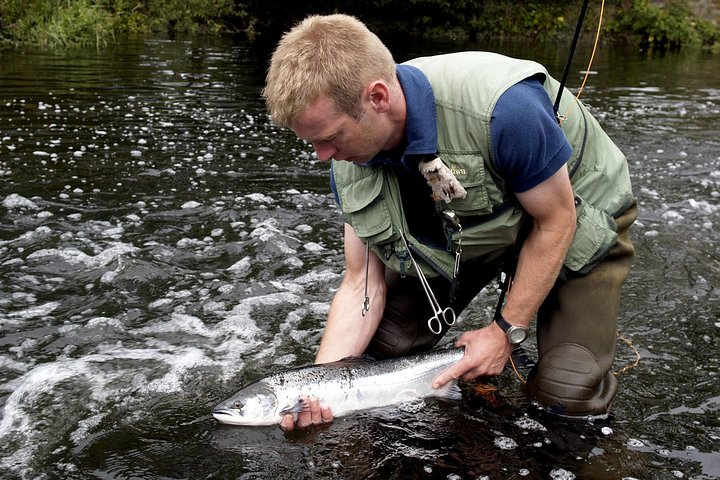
x=487 y=350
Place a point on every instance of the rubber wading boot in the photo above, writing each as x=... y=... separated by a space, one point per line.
x=567 y=380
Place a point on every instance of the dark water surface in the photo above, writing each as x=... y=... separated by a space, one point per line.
x=161 y=243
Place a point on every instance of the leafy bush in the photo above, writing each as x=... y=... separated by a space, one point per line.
x=670 y=27
x=55 y=23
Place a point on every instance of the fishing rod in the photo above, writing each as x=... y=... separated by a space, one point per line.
x=566 y=70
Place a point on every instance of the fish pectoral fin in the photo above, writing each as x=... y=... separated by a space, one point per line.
x=450 y=390
x=302 y=405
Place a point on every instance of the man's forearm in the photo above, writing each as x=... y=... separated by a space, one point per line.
x=539 y=263
x=348 y=332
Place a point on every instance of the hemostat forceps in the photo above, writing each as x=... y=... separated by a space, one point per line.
x=447 y=314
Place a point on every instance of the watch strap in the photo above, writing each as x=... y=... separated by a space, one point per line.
x=502 y=323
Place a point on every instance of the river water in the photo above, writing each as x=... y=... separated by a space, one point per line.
x=161 y=243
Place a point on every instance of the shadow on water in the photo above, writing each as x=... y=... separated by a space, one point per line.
x=162 y=243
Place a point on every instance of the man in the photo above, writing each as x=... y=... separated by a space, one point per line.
x=448 y=169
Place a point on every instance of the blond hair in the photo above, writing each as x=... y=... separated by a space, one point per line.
x=334 y=55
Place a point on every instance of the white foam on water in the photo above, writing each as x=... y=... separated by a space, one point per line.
x=561 y=474
x=10 y=364
x=318 y=276
x=106 y=321
x=76 y=257
x=241 y=266
x=16 y=422
x=113 y=376
x=85 y=426
x=527 y=423
x=284 y=285
x=293 y=262
x=313 y=247
x=179 y=323
x=34 y=311
x=160 y=303
x=180 y=364
x=190 y=205
x=505 y=443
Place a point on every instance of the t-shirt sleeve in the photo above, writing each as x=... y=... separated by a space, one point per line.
x=528 y=145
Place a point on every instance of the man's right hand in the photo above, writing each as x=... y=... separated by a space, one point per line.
x=313 y=415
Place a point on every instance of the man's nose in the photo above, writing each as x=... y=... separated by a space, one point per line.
x=324 y=151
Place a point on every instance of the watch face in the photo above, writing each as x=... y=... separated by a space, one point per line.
x=516 y=335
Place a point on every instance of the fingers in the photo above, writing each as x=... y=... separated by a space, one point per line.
x=326 y=415
x=314 y=414
x=453 y=372
x=288 y=422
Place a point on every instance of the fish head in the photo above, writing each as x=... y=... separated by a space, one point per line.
x=255 y=404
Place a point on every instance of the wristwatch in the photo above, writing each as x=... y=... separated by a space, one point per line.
x=515 y=335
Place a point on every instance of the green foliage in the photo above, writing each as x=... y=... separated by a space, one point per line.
x=671 y=26
x=74 y=23
x=188 y=16
x=536 y=20
x=55 y=23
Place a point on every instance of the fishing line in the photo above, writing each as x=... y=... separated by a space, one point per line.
x=561 y=118
x=634 y=349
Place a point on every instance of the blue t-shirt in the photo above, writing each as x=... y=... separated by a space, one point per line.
x=527 y=144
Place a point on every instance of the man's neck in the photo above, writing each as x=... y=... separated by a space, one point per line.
x=397 y=117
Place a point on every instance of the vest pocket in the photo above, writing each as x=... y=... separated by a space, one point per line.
x=595 y=235
x=364 y=208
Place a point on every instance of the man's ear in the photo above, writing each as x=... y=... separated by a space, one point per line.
x=378 y=94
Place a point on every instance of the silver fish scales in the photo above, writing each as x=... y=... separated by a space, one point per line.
x=346 y=386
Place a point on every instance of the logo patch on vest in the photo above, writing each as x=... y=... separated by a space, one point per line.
x=457 y=171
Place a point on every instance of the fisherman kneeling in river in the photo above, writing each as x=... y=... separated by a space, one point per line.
x=449 y=169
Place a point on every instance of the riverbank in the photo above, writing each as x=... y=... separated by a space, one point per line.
x=52 y=24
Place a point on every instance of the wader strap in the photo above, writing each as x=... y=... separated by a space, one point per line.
x=582 y=146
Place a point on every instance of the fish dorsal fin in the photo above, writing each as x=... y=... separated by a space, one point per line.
x=353 y=360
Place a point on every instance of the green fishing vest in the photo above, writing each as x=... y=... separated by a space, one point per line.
x=466 y=87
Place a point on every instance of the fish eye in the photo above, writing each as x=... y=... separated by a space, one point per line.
x=239 y=405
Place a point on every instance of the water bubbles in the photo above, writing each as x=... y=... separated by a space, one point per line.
x=527 y=423
x=505 y=443
x=634 y=442
x=313 y=247
x=18 y=202
x=190 y=205
x=561 y=474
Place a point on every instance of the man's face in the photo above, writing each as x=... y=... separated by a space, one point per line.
x=338 y=135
